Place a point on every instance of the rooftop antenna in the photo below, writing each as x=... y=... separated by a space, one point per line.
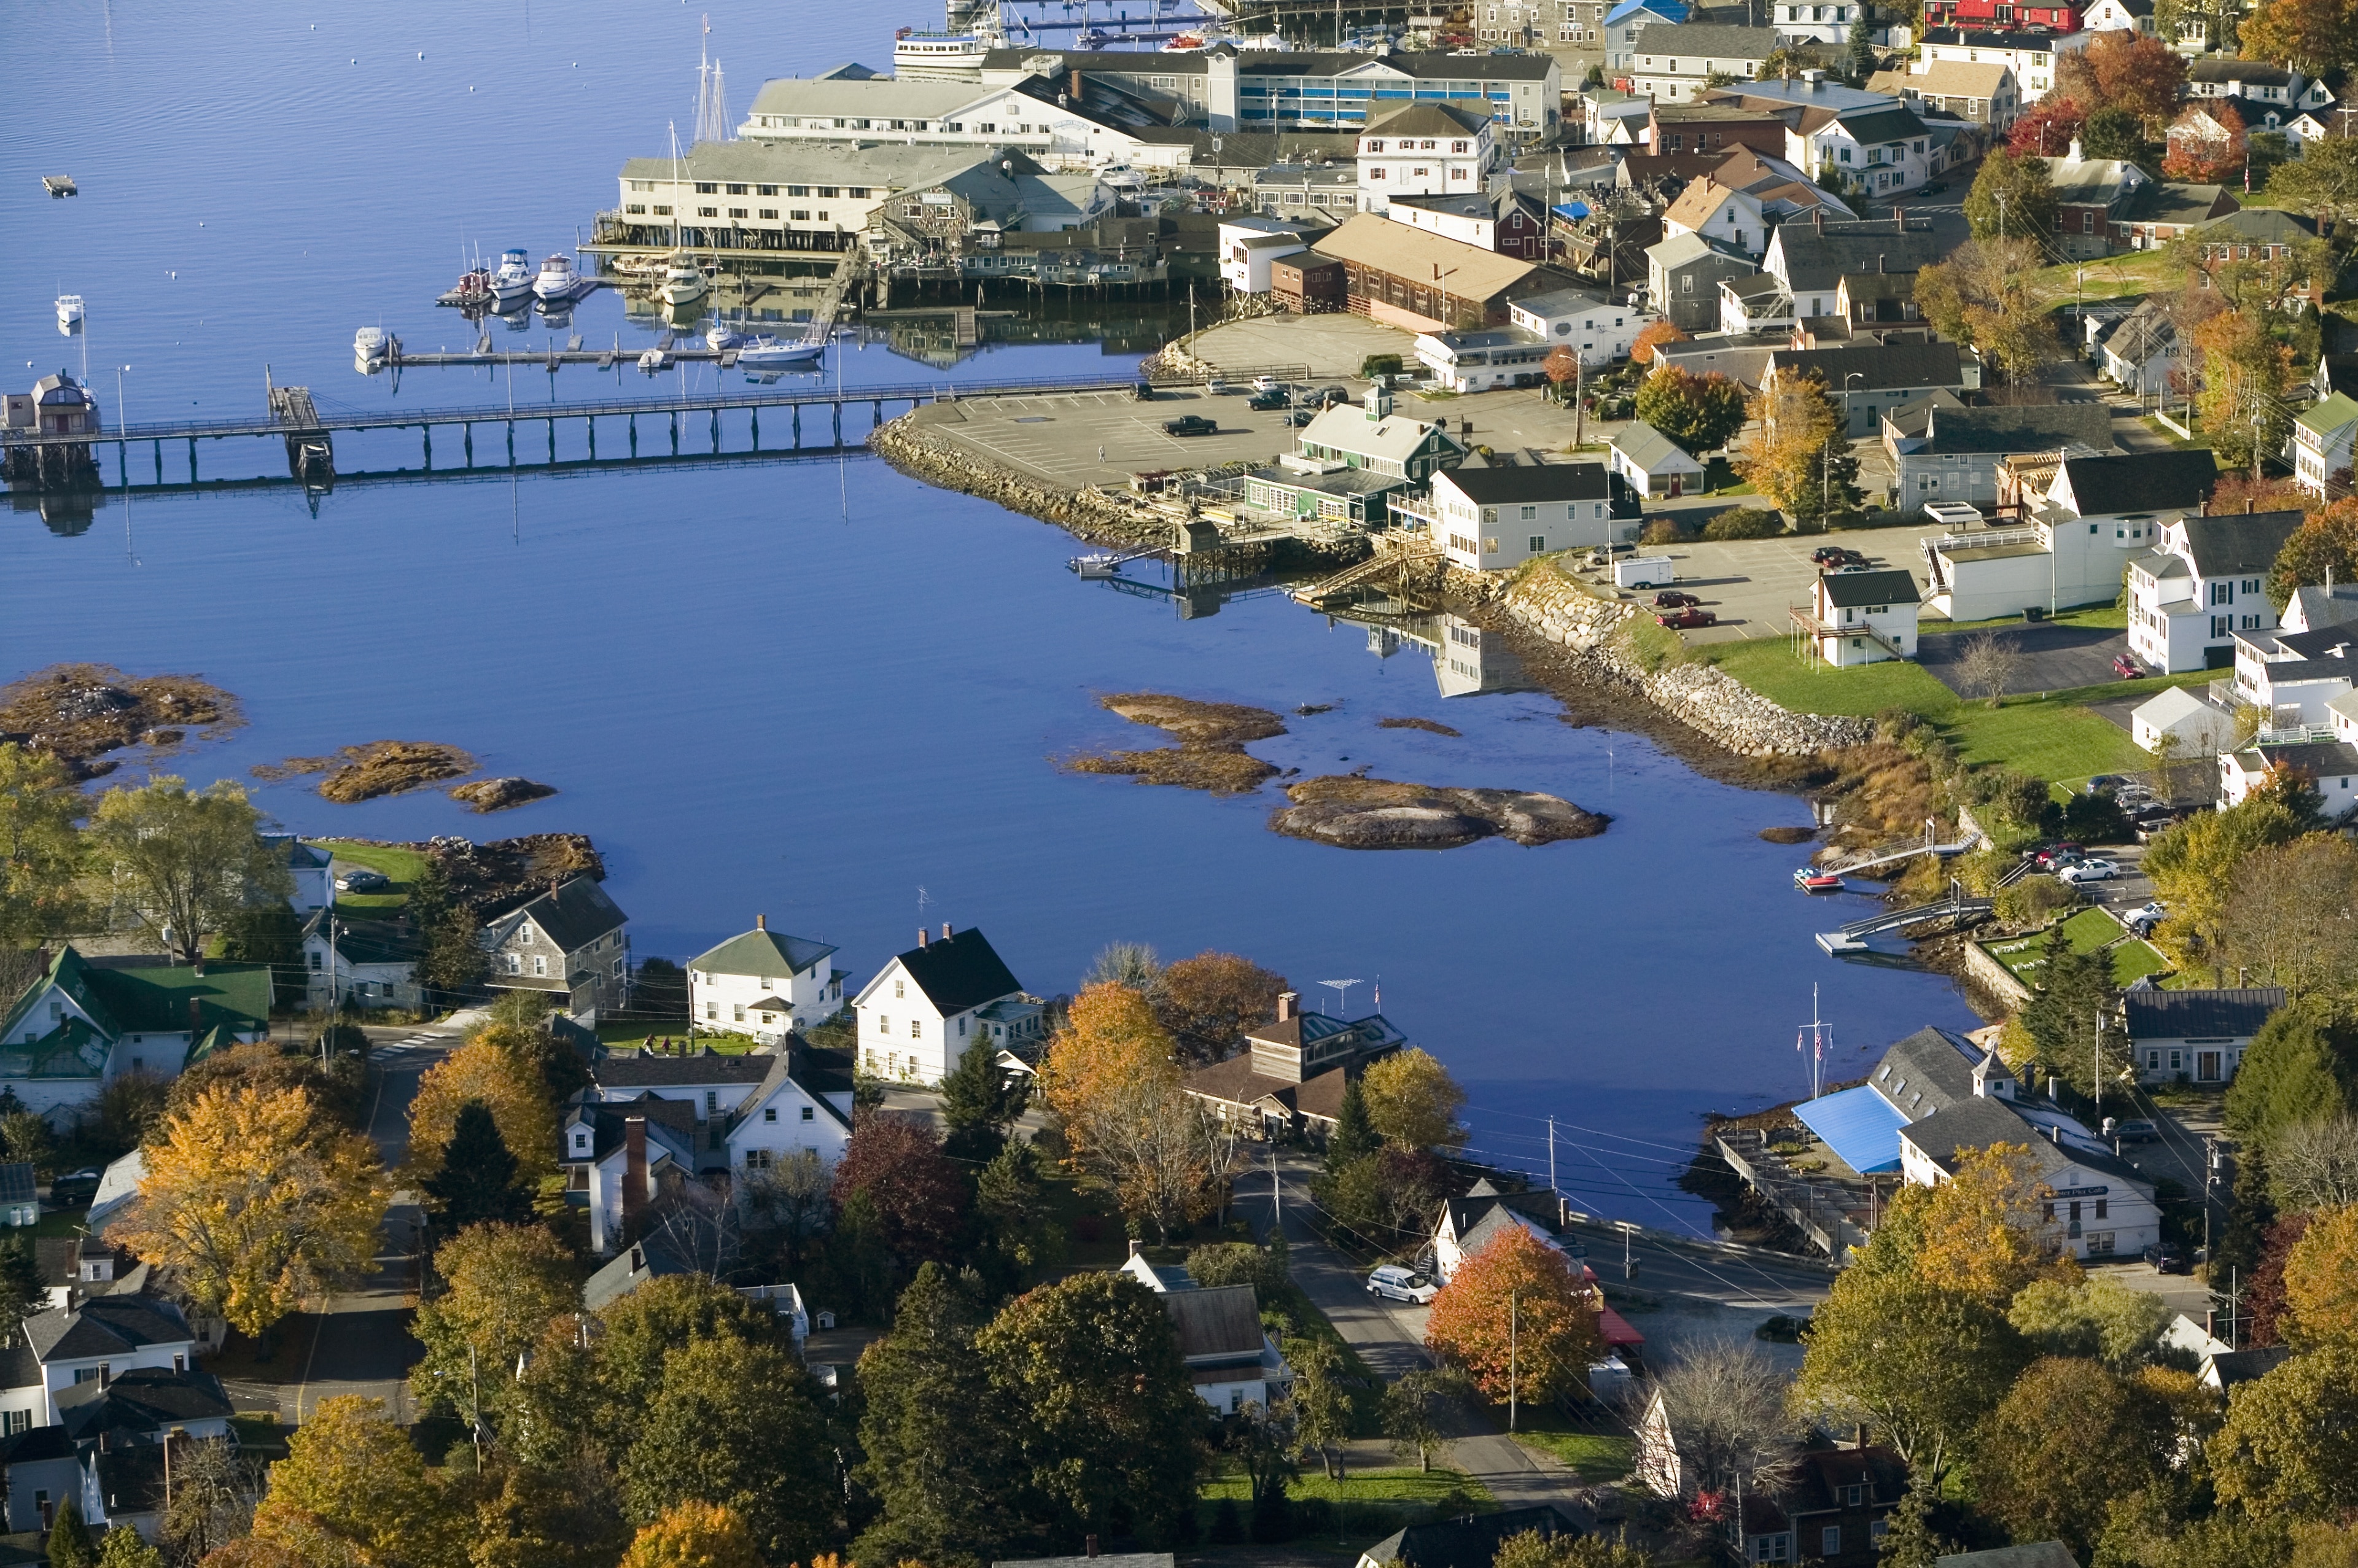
x=1816 y=1038
x=1342 y=991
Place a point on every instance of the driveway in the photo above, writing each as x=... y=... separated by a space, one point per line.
x=2054 y=657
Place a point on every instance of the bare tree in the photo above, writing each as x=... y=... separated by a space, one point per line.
x=1149 y=1137
x=700 y=1223
x=2287 y=919
x=1728 y=1414
x=2314 y=1164
x=1132 y=964
x=2164 y=753
x=1989 y=663
x=211 y=1502
x=788 y=1207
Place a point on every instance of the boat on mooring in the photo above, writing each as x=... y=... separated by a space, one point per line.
x=473 y=288
x=369 y=344
x=769 y=353
x=1810 y=880
x=558 y=279
x=70 y=312
x=512 y=279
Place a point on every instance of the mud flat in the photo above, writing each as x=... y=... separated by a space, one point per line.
x=1355 y=813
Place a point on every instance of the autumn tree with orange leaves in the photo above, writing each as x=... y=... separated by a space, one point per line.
x=1985 y=1229
x=1517 y=1317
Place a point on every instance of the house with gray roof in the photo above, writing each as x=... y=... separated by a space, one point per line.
x=1496 y=517
x=1672 y=61
x=1811 y=259
x=1471 y=1541
x=1291 y=1076
x=618 y=1156
x=2327 y=766
x=66 y=1346
x=2141 y=352
x=568 y=944
x=2205 y=578
x=2292 y=676
x=802 y=1105
x=1867 y=378
x=763 y=983
x=2092 y=199
x=1654 y=466
x=2167 y=211
x=1683 y=277
x=1953 y=454
x=1368 y=434
x=1231 y=1360
x=371 y=964
x=2194 y=1037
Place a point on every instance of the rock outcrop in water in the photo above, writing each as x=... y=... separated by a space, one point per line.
x=1211 y=751
x=77 y=713
x=1354 y=813
x=380 y=768
x=500 y=794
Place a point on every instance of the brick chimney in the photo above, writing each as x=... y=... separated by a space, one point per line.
x=921 y=935
x=634 y=1169
x=760 y=923
x=1288 y=1003
x=945 y=925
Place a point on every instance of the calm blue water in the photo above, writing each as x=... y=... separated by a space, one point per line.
x=802 y=690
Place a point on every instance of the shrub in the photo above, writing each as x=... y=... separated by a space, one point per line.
x=1663 y=531
x=1272 y=1517
x=1227 y=1528
x=1897 y=723
x=1744 y=523
x=1380 y=364
x=2094 y=819
x=1314 y=1516
x=2033 y=900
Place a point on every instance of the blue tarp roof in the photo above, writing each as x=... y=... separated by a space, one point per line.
x=1859 y=1125
x=1573 y=208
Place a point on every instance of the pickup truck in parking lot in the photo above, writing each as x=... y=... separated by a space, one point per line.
x=1190 y=425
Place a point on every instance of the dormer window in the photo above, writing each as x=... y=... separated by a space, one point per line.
x=581 y=1141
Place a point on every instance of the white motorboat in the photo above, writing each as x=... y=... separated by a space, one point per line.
x=557 y=278
x=652 y=361
x=768 y=353
x=512 y=279
x=70 y=312
x=369 y=344
x=684 y=284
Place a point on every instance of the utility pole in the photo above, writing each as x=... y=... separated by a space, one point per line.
x=1552 y=1186
x=1513 y=1324
x=475 y=1414
x=2098 y=1078
x=1276 y=1195
x=2001 y=215
x=1578 y=423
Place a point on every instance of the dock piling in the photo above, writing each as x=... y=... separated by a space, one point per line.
x=192 y=460
x=757 y=429
x=715 y=429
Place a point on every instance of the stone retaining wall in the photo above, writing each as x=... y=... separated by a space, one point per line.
x=1088 y=513
x=1705 y=698
x=1992 y=975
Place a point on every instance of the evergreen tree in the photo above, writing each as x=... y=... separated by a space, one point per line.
x=1354 y=1137
x=477 y=1181
x=451 y=961
x=1911 y=1541
x=22 y=1293
x=2236 y=1250
x=69 y=1542
x=269 y=934
x=1860 y=61
x=939 y=1458
x=980 y=1101
x=2062 y=1019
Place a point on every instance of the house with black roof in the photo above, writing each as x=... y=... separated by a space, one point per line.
x=620 y=1156
x=2293 y=678
x=144 y=1403
x=94 y=1341
x=802 y=1105
x=569 y=944
x=1470 y=1540
x=1879 y=372
x=369 y=963
x=42 y=1467
x=2194 y=1037
x=763 y=983
x=927 y=1006
x=2204 y=577
x=1861 y=618
x=1952 y=453
x=2327 y=766
x=1495 y=518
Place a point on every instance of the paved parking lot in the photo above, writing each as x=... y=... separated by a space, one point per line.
x=2054 y=658
x=1750 y=583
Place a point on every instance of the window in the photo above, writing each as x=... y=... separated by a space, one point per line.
x=712 y=1010
x=581 y=1141
x=708 y=211
x=830 y=190
x=1538 y=544
x=884 y=1024
x=798 y=190
x=736 y=190
x=1490 y=545
x=539 y=964
x=1852 y=1498
x=635 y=207
x=766 y=190
x=810 y=1113
x=740 y=212
x=707 y=188
x=758 y=1159
x=1831 y=1542
x=663 y=212
x=897 y=990
x=2102 y=1208
x=736 y=1013
x=916 y=1028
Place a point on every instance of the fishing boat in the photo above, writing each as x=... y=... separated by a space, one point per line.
x=769 y=353
x=512 y=279
x=369 y=344
x=1810 y=880
x=70 y=312
x=473 y=288
x=683 y=283
x=558 y=279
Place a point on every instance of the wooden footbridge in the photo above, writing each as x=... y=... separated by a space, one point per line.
x=308 y=430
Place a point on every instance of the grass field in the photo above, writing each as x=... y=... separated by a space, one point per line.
x=1412 y=1492
x=2090 y=929
x=1595 y=1456
x=638 y=1031
x=2052 y=736
x=401 y=867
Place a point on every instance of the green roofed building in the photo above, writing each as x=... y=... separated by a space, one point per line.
x=88 y=1022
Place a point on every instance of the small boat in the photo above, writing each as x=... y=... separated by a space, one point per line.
x=1808 y=881
x=1100 y=564
x=637 y=267
x=717 y=337
x=70 y=312
x=370 y=343
x=683 y=283
x=557 y=278
x=652 y=361
x=473 y=287
x=512 y=279
x=766 y=352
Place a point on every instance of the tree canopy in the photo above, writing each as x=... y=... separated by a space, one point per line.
x=185 y=862
x=1701 y=413
x=2052 y=1478
x=1205 y=1003
x=2010 y=196
x=1800 y=457
x=499 y=1069
x=2289 y=1446
x=41 y=853
x=1923 y=1364
x=501 y=1286
x=1412 y=1101
x=1517 y=1318
x=352 y=1484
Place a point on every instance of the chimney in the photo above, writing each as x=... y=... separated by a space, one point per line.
x=1287 y=1002
x=921 y=935
x=760 y=923
x=1090 y=1543
x=1879 y=267
x=1076 y=88
x=2075 y=150
x=946 y=930
x=634 y=1169
x=1136 y=1247
x=2247 y=512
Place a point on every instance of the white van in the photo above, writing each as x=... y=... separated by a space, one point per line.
x=1401 y=1285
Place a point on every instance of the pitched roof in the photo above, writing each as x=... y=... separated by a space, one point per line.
x=106 y=1325
x=1856 y=589
x=1222 y=1321
x=1651 y=450
x=2087 y=181
x=959 y=971
x=2187 y=1015
x=636 y=1069
x=1926 y=1070
x=815 y=1073
x=1879 y=366
x=2018 y=428
x=761 y=951
x=1959 y=79
x=2037 y=1554
x=142 y=1399
x=1530 y=482
x=2220 y=68
x=143 y=996
x=2166 y=202
x=1470 y=1540
x=34 y=1444
x=2140 y=482
x=653 y=1257
x=2238 y=542
x=1425 y=120
x=1469 y=272
x=362 y=941
x=573 y=915
x=1705 y=40
x=1815 y=258
x=1347 y=427
x=2329 y=416
x=1868 y=125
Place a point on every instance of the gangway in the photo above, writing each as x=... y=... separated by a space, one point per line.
x=1930 y=845
x=1359 y=572
x=1853 y=938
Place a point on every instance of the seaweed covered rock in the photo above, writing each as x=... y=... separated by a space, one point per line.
x=1380 y=814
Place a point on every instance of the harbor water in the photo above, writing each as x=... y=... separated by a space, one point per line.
x=812 y=689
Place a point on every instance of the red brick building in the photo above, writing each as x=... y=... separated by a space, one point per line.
x=2005 y=15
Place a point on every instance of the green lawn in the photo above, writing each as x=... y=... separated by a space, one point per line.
x=2107 y=616
x=401 y=867
x=1412 y=1490
x=638 y=1031
x=2090 y=929
x=1597 y=1456
x=2050 y=737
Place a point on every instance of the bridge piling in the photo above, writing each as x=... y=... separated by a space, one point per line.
x=192 y=460
x=757 y=429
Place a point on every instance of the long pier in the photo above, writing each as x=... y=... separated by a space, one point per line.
x=308 y=430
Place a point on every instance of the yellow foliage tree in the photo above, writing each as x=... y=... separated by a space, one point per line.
x=497 y=1066
x=1984 y=1229
x=694 y=1535
x=1109 y=1047
x=504 y=1282
x=1412 y=1101
x=2320 y=1280
x=256 y=1202
x=353 y=1482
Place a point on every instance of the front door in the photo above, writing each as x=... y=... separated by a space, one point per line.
x=2206 y=1067
x=1676 y=489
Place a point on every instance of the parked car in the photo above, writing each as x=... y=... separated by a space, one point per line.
x=2127 y=668
x=1671 y=599
x=2149 y=912
x=362 y=880
x=1687 y=620
x=78 y=1188
x=1190 y=425
x=1143 y=392
x=2136 y=1129
x=1327 y=396
x=1301 y=416
x=2089 y=871
x=1265 y=383
x=1827 y=555
x=1276 y=397
x=1400 y=1284
x=2056 y=855
x=2166 y=1257
x=1216 y=387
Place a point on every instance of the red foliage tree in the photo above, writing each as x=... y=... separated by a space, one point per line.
x=2264 y=1297
x=1518 y=1314
x=2198 y=156
x=917 y=1193
x=2048 y=129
